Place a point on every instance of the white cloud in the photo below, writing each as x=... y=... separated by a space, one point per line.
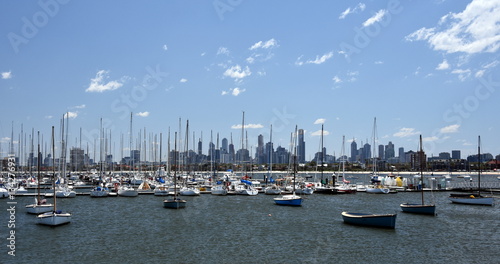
x=406 y=132
x=233 y=91
x=430 y=139
x=71 y=115
x=375 y=18
x=183 y=80
x=322 y=59
x=480 y=73
x=462 y=74
x=79 y=106
x=475 y=30
x=336 y=79
x=165 y=47
x=358 y=8
x=247 y=126
x=450 y=129
x=236 y=91
x=491 y=65
x=48 y=117
x=223 y=50
x=97 y=84
x=318 y=133
x=319 y=121
x=318 y=60
x=237 y=72
x=6 y=75
x=379 y=62
x=443 y=65
x=264 y=45
x=143 y=114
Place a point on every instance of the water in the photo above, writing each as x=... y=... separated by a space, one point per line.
x=241 y=229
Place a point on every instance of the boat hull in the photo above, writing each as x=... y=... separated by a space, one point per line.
x=378 y=190
x=53 y=218
x=374 y=220
x=428 y=209
x=128 y=192
x=65 y=194
x=174 y=203
x=471 y=199
x=290 y=200
x=39 y=208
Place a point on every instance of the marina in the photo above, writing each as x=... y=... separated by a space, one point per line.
x=242 y=229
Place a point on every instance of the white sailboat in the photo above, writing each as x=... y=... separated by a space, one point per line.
x=291 y=199
x=376 y=186
x=100 y=190
x=54 y=217
x=473 y=198
x=420 y=208
x=175 y=202
x=40 y=206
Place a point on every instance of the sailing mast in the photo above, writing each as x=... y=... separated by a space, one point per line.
x=479 y=165
x=421 y=170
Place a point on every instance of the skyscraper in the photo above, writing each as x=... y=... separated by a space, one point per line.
x=389 y=151
x=354 y=150
x=455 y=154
x=224 y=148
x=381 y=152
x=301 y=148
x=402 y=155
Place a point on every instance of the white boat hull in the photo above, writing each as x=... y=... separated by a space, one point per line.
x=128 y=192
x=472 y=200
x=53 y=218
x=377 y=190
x=65 y=194
x=39 y=208
x=218 y=191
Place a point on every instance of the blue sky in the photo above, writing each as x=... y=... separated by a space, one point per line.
x=419 y=67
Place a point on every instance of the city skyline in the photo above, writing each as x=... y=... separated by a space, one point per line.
x=325 y=63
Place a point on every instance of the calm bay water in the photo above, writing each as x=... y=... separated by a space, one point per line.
x=241 y=229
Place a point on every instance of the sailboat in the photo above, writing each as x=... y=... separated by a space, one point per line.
x=473 y=198
x=175 y=202
x=420 y=208
x=54 y=217
x=291 y=199
x=344 y=186
x=219 y=187
x=40 y=206
x=376 y=186
x=100 y=190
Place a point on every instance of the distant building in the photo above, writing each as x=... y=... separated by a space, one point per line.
x=455 y=154
x=381 y=152
x=402 y=156
x=301 y=147
x=444 y=156
x=135 y=156
x=76 y=158
x=389 y=151
x=354 y=151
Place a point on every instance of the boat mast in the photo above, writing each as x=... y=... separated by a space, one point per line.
x=421 y=170
x=479 y=165
x=322 y=155
x=54 y=169
x=39 y=157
